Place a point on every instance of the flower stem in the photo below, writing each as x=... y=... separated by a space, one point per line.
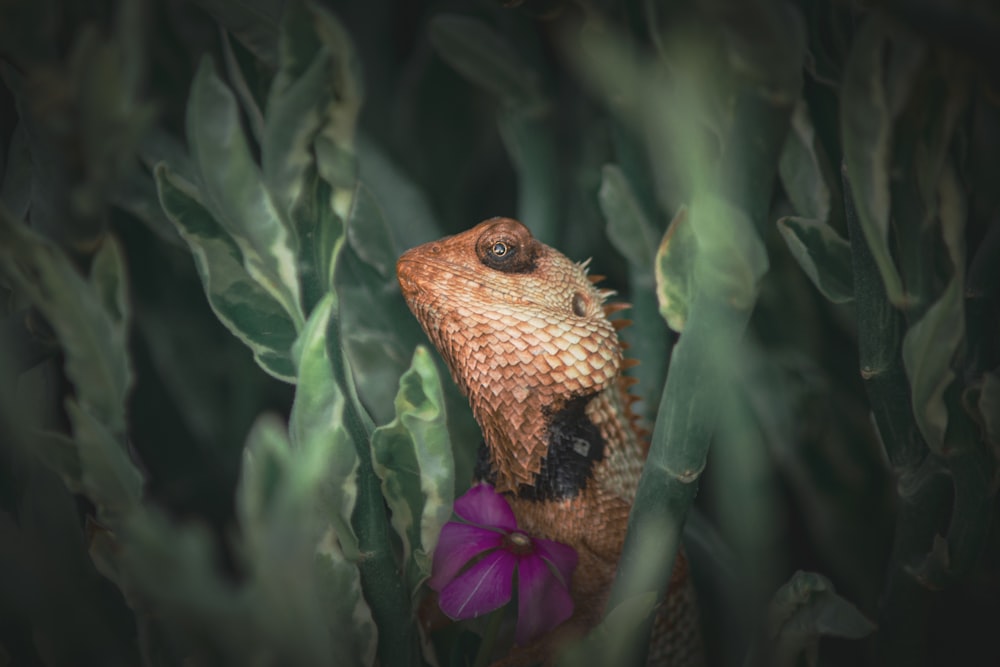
x=489 y=639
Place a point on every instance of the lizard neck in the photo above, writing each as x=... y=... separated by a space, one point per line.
x=555 y=451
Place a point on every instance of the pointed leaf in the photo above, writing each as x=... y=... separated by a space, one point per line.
x=241 y=304
x=318 y=426
x=804 y=173
x=930 y=345
x=675 y=260
x=628 y=228
x=92 y=337
x=234 y=190
x=316 y=91
x=253 y=22
x=806 y=608
x=731 y=258
x=109 y=477
x=412 y=457
x=872 y=94
x=823 y=255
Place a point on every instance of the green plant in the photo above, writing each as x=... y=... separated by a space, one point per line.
x=791 y=191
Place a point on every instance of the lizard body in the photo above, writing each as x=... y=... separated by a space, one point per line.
x=526 y=336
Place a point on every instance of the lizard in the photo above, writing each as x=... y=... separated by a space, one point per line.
x=526 y=335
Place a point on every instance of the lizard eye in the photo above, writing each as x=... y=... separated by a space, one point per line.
x=507 y=246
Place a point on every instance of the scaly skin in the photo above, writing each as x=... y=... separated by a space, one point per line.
x=527 y=338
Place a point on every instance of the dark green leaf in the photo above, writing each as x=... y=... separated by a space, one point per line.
x=233 y=191
x=805 y=609
x=109 y=477
x=92 y=337
x=823 y=255
x=872 y=95
x=628 y=228
x=255 y=119
x=253 y=22
x=319 y=430
x=316 y=91
x=804 y=172
x=930 y=344
x=15 y=190
x=412 y=457
x=240 y=303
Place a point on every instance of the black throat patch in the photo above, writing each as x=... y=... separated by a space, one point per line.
x=575 y=446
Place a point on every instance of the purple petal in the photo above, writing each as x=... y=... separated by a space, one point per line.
x=457 y=545
x=542 y=600
x=564 y=557
x=482 y=588
x=484 y=506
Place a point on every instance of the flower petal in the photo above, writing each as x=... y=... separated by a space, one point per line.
x=484 y=506
x=457 y=545
x=543 y=602
x=564 y=557
x=485 y=586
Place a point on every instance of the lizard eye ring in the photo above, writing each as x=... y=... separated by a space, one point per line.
x=507 y=246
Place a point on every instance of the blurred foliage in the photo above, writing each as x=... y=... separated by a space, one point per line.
x=222 y=442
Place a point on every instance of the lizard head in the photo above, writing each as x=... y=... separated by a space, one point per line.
x=522 y=329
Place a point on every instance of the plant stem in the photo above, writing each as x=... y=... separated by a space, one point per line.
x=489 y=639
x=381 y=581
x=903 y=614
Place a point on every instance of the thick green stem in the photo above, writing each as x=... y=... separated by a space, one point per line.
x=381 y=579
x=903 y=614
x=688 y=411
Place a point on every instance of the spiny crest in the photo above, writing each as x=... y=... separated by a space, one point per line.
x=625 y=382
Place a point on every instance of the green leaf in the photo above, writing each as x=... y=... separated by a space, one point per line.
x=823 y=255
x=60 y=454
x=674 y=270
x=248 y=103
x=293 y=551
x=806 y=608
x=804 y=172
x=318 y=426
x=348 y=615
x=253 y=22
x=628 y=228
x=873 y=92
x=412 y=457
x=379 y=333
x=930 y=344
x=15 y=189
x=485 y=58
x=316 y=91
x=234 y=190
x=731 y=258
x=241 y=304
x=712 y=248
x=108 y=476
x=92 y=336
x=173 y=567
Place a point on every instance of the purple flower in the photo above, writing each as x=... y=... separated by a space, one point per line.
x=474 y=566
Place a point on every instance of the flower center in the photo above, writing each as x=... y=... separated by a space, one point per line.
x=518 y=543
